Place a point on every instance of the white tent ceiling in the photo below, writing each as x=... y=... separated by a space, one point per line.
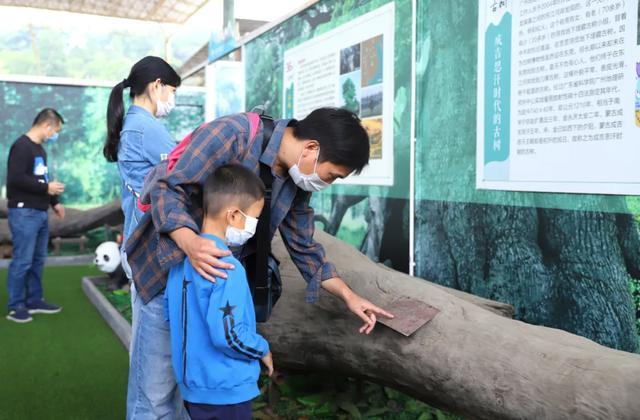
x=168 y=11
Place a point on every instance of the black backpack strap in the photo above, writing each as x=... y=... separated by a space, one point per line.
x=262 y=242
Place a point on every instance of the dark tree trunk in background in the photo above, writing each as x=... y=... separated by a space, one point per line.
x=394 y=250
x=386 y=239
x=375 y=217
x=592 y=295
x=339 y=206
x=516 y=270
x=563 y=269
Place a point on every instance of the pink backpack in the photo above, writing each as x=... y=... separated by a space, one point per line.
x=176 y=153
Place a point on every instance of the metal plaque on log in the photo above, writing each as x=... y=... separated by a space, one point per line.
x=410 y=315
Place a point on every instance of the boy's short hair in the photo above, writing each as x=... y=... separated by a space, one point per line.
x=48 y=115
x=231 y=184
x=343 y=140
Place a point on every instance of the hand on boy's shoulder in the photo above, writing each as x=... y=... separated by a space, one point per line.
x=237 y=272
x=207 y=258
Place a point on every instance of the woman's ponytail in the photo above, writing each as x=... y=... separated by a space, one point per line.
x=115 y=116
x=142 y=73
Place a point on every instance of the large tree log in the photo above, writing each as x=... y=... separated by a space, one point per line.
x=76 y=222
x=467 y=359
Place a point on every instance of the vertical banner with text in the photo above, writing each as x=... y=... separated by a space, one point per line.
x=559 y=96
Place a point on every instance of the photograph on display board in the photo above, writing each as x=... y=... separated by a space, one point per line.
x=350 y=59
x=637 y=113
x=351 y=91
x=371 y=104
x=372 y=56
x=374 y=130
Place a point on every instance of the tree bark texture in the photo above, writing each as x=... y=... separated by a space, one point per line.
x=563 y=269
x=468 y=360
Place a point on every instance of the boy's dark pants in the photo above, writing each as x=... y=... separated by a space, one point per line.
x=240 y=411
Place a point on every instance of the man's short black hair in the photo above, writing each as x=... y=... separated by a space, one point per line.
x=48 y=115
x=343 y=140
x=231 y=185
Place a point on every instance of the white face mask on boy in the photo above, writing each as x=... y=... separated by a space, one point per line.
x=238 y=237
x=308 y=182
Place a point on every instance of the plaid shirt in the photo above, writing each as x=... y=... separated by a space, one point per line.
x=176 y=202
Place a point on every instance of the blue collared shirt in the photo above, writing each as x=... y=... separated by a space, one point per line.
x=144 y=142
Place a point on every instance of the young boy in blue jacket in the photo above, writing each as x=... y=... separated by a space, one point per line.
x=216 y=351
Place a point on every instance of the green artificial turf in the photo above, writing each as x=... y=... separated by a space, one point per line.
x=64 y=366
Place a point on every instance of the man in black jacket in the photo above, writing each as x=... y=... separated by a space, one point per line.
x=30 y=193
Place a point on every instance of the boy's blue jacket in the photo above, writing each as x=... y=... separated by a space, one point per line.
x=215 y=349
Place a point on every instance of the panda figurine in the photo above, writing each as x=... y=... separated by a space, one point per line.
x=108 y=261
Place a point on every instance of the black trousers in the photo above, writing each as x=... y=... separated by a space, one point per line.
x=240 y=411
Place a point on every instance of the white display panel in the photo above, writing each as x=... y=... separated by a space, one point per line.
x=559 y=96
x=352 y=67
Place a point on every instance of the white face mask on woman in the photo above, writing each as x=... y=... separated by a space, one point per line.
x=163 y=108
x=308 y=182
x=238 y=237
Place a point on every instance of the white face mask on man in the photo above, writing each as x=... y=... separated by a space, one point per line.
x=308 y=182
x=238 y=237
x=163 y=108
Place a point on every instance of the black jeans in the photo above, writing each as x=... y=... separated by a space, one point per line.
x=240 y=411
